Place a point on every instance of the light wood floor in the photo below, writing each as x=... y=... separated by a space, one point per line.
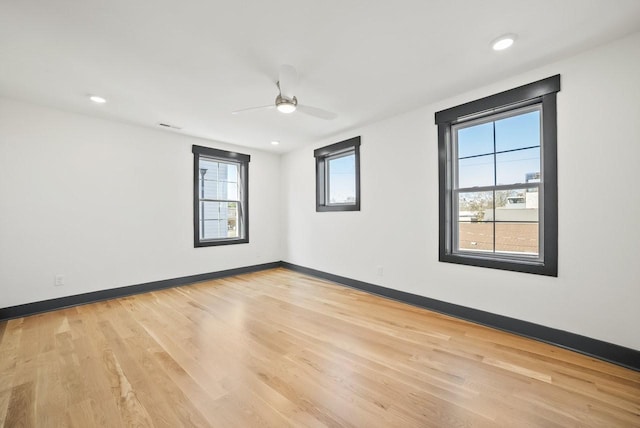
x=277 y=348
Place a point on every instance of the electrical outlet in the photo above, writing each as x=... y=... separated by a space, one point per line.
x=59 y=280
x=380 y=270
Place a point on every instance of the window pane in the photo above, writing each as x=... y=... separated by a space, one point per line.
x=219 y=220
x=232 y=173
x=341 y=174
x=475 y=172
x=210 y=210
x=475 y=140
x=209 y=189
x=210 y=220
x=519 y=131
x=223 y=174
x=473 y=233
x=209 y=171
x=227 y=185
x=475 y=206
x=521 y=238
x=211 y=166
x=518 y=205
x=516 y=167
x=475 y=236
x=232 y=223
x=220 y=180
x=232 y=180
x=232 y=191
x=211 y=229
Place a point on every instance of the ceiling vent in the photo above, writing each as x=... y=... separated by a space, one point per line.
x=166 y=125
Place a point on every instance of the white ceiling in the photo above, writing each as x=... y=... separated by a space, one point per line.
x=190 y=63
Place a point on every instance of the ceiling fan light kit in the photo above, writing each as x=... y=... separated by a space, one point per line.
x=286 y=106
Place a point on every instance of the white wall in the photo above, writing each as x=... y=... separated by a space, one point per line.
x=108 y=204
x=597 y=292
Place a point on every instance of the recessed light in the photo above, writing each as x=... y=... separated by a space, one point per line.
x=275 y=143
x=503 y=42
x=97 y=99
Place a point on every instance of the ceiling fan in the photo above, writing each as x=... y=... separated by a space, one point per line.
x=286 y=102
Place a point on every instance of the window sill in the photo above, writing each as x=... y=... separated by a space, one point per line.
x=221 y=242
x=327 y=208
x=515 y=265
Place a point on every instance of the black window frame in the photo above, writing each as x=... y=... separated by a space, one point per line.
x=543 y=93
x=322 y=156
x=242 y=160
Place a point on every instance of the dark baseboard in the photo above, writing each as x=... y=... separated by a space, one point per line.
x=96 y=296
x=616 y=354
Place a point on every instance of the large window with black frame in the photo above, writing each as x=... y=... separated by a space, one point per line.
x=220 y=197
x=498 y=182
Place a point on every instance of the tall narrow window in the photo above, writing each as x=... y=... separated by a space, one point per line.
x=221 y=209
x=498 y=191
x=338 y=176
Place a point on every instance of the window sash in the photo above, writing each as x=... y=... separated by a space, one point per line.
x=240 y=224
x=327 y=177
x=239 y=185
x=455 y=223
x=453 y=162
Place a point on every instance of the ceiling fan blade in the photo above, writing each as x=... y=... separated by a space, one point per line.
x=316 y=112
x=288 y=80
x=254 y=108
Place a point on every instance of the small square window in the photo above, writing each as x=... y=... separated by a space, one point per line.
x=338 y=176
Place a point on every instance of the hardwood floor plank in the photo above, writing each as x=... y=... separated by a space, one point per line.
x=280 y=349
x=132 y=412
x=21 y=410
x=5 y=396
x=3 y=327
